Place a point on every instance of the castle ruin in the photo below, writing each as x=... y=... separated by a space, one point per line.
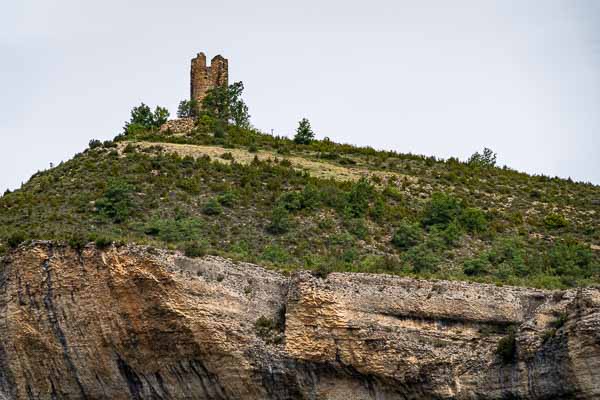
x=204 y=78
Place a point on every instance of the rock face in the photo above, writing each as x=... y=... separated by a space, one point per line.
x=181 y=126
x=137 y=323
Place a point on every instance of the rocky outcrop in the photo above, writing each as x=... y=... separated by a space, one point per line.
x=179 y=126
x=137 y=323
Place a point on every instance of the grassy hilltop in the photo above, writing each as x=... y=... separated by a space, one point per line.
x=227 y=189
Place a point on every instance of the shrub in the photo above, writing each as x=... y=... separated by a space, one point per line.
x=349 y=255
x=422 y=259
x=276 y=254
x=474 y=220
x=212 y=207
x=194 y=249
x=555 y=221
x=333 y=197
x=304 y=133
x=16 y=238
x=572 y=261
x=116 y=202
x=227 y=199
x=507 y=255
x=407 y=235
x=77 y=240
x=357 y=227
x=264 y=325
x=451 y=234
x=219 y=130
x=102 y=242
x=393 y=193
x=377 y=211
x=507 y=347
x=280 y=221
x=441 y=210
x=94 y=143
x=174 y=230
x=326 y=224
x=357 y=200
x=310 y=197
x=476 y=266
x=291 y=201
x=269 y=329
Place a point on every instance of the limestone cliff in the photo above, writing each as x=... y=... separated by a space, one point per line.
x=136 y=323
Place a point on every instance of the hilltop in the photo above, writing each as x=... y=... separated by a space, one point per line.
x=201 y=258
x=236 y=192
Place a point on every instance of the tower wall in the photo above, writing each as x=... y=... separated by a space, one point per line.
x=205 y=77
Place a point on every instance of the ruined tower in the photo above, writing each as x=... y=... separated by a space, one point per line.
x=203 y=77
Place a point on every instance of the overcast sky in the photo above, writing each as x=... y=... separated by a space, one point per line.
x=442 y=78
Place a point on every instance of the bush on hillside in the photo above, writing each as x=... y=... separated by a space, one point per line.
x=451 y=234
x=174 y=230
x=212 y=207
x=476 y=266
x=227 y=199
x=280 y=221
x=474 y=220
x=422 y=259
x=117 y=203
x=311 y=197
x=441 y=210
x=16 y=238
x=194 y=249
x=555 y=221
x=573 y=261
x=357 y=227
x=407 y=235
x=291 y=201
x=357 y=200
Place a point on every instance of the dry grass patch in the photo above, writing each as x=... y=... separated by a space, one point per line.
x=318 y=169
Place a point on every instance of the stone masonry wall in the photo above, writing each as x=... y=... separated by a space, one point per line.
x=204 y=78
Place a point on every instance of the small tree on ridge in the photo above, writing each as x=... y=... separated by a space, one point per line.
x=304 y=133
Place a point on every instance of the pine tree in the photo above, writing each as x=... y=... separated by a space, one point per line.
x=304 y=133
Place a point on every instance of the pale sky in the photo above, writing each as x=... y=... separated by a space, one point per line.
x=442 y=78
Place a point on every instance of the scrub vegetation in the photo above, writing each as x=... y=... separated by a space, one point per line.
x=375 y=211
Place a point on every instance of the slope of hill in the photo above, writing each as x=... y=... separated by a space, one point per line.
x=322 y=206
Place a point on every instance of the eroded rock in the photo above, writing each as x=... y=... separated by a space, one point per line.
x=133 y=322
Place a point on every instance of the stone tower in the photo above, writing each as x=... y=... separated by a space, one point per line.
x=203 y=77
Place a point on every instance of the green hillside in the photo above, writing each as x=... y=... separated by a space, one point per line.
x=324 y=206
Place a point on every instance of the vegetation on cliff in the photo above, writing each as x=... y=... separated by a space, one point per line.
x=376 y=211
